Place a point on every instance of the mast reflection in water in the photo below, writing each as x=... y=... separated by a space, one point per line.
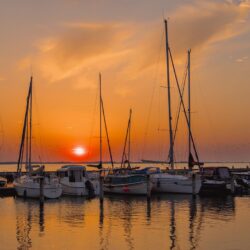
x=28 y=213
x=120 y=222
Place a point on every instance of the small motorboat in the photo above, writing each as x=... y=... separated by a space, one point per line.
x=216 y=181
x=76 y=181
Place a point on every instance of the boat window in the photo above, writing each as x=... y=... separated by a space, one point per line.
x=208 y=172
x=61 y=174
x=118 y=180
x=136 y=178
x=224 y=173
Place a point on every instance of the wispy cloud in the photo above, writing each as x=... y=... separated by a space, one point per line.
x=204 y=23
x=130 y=49
x=80 y=49
x=242 y=59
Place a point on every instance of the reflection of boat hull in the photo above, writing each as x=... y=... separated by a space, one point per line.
x=140 y=188
x=168 y=183
x=26 y=186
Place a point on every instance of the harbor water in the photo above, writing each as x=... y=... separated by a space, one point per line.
x=121 y=222
x=165 y=221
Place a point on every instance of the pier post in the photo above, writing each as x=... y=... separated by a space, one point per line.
x=148 y=209
x=101 y=187
x=101 y=213
x=194 y=185
x=148 y=187
x=41 y=180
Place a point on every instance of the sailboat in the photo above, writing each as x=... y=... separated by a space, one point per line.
x=33 y=183
x=189 y=183
x=122 y=180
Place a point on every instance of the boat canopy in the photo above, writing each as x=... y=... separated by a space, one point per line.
x=148 y=170
x=72 y=168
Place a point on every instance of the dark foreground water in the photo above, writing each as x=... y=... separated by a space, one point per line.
x=167 y=222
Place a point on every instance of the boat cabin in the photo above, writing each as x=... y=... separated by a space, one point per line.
x=218 y=173
x=73 y=173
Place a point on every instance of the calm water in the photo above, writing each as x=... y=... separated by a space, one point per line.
x=167 y=222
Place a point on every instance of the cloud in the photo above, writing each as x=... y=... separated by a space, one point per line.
x=204 y=24
x=242 y=59
x=130 y=51
x=207 y=22
x=79 y=49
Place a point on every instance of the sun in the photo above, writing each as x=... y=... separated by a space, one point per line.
x=79 y=151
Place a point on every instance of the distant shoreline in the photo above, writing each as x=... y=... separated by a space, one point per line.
x=136 y=162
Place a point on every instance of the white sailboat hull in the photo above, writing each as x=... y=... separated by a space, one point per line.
x=168 y=183
x=140 y=188
x=26 y=186
x=78 y=188
x=75 y=189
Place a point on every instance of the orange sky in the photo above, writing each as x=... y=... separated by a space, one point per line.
x=65 y=44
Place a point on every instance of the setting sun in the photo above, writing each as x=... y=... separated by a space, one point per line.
x=79 y=151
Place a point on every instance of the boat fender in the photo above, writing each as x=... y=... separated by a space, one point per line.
x=90 y=187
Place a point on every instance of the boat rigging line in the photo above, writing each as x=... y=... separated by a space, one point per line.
x=184 y=109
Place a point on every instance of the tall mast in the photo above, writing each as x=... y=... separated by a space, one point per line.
x=30 y=123
x=129 y=135
x=189 y=105
x=100 y=86
x=25 y=125
x=126 y=157
x=171 y=151
x=185 y=111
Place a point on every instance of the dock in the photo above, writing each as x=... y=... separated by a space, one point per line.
x=10 y=176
